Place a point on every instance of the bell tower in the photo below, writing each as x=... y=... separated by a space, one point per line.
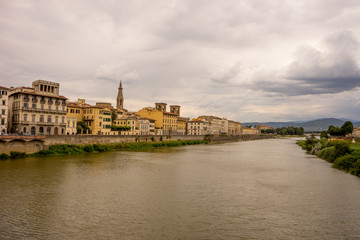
x=120 y=98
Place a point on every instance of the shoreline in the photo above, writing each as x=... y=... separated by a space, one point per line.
x=341 y=154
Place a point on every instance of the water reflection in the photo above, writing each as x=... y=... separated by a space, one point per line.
x=268 y=189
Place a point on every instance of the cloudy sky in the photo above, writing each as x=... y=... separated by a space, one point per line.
x=247 y=60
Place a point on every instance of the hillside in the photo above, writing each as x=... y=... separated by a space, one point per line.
x=313 y=125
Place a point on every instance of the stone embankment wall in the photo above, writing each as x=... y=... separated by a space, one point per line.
x=29 y=144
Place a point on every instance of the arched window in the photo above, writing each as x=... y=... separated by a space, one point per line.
x=48 y=131
x=41 y=130
x=33 y=131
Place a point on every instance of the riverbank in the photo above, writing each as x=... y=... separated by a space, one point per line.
x=342 y=154
x=68 y=149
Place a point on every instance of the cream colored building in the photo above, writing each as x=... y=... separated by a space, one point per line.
x=198 y=127
x=4 y=110
x=217 y=125
x=247 y=130
x=234 y=128
x=38 y=110
x=71 y=126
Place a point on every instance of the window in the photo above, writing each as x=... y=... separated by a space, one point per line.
x=4 y=102
x=68 y=123
x=33 y=118
x=42 y=106
x=41 y=118
x=62 y=120
x=34 y=105
x=26 y=105
x=57 y=108
x=56 y=119
x=49 y=119
x=2 y=121
x=71 y=110
x=25 y=117
x=49 y=107
x=3 y=111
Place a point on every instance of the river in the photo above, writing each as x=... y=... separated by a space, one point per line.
x=265 y=189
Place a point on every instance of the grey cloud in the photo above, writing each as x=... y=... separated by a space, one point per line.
x=332 y=70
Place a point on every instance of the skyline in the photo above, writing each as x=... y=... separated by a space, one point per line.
x=247 y=61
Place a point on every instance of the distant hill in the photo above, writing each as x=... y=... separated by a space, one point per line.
x=313 y=125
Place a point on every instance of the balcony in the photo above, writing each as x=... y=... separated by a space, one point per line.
x=57 y=102
x=50 y=102
x=42 y=101
x=39 y=110
x=64 y=103
x=26 y=99
x=34 y=100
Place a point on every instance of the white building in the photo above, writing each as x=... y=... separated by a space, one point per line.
x=4 y=109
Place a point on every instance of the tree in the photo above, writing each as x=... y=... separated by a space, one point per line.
x=347 y=128
x=81 y=127
x=113 y=115
x=335 y=131
x=324 y=134
x=300 y=131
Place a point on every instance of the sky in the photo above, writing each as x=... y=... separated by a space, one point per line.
x=246 y=60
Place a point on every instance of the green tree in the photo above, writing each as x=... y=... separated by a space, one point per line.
x=300 y=131
x=81 y=127
x=113 y=115
x=347 y=128
x=335 y=131
x=324 y=134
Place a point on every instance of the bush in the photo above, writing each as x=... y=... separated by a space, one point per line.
x=88 y=148
x=341 y=148
x=101 y=148
x=4 y=156
x=347 y=162
x=16 y=155
x=328 y=154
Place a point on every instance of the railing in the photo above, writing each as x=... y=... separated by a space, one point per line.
x=40 y=123
x=29 y=109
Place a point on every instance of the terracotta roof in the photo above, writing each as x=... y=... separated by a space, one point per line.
x=183 y=119
x=4 y=88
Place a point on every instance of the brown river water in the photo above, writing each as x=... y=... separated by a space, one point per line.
x=265 y=189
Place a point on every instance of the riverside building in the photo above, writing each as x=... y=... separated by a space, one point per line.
x=4 y=109
x=38 y=110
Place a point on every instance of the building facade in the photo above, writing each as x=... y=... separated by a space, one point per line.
x=164 y=121
x=198 y=127
x=38 y=110
x=4 y=109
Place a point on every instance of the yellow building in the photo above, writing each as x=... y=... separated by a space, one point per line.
x=166 y=121
x=96 y=118
x=181 y=125
x=128 y=121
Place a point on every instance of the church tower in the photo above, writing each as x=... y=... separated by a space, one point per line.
x=120 y=98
